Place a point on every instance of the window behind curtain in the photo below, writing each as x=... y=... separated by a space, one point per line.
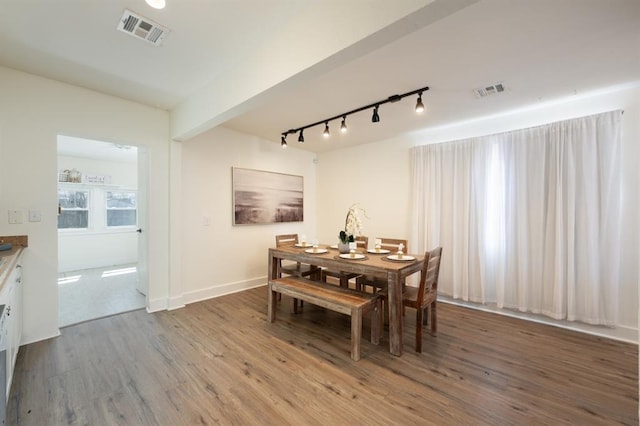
x=524 y=217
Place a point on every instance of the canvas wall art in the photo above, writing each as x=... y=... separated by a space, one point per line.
x=261 y=197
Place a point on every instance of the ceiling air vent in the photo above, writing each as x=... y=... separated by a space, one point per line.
x=493 y=89
x=142 y=28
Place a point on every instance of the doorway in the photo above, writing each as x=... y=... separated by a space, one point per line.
x=99 y=205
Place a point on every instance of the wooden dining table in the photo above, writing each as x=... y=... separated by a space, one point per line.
x=377 y=264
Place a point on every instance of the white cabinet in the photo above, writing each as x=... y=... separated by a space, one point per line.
x=14 y=326
x=11 y=297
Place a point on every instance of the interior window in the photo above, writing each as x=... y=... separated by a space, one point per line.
x=74 y=209
x=121 y=208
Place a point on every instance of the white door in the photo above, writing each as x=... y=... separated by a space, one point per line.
x=143 y=220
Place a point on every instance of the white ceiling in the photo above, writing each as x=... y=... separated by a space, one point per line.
x=542 y=50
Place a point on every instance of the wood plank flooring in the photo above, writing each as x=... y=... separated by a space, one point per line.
x=221 y=362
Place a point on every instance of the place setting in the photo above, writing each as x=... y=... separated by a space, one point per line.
x=311 y=248
x=352 y=256
x=377 y=248
x=353 y=253
x=399 y=256
x=316 y=250
x=304 y=243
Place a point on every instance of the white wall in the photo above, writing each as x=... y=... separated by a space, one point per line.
x=98 y=247
x=123 y=174
x=33 y=111
x=379 y=176
x=376 y=177
x=221 y=258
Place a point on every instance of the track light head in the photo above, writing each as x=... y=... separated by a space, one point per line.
x=301 y=137
x=343 y=126
x=375 y=118
x=326 y=132
x=419 y=104
x=283 y=141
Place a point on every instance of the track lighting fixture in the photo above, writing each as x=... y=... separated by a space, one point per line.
x=419 y=104
x=375 y=118
x=283 y=141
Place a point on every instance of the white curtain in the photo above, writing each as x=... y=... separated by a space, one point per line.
x=527 y=219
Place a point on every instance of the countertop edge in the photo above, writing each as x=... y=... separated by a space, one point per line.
x=10 y=263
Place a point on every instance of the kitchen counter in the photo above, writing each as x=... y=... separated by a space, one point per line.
x=9 y=258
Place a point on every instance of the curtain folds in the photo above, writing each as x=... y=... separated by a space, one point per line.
x=529 y=219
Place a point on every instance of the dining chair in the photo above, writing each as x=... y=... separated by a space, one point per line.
x=380 y=282
x=295 y=268
x=422 y=297
x=362 y=243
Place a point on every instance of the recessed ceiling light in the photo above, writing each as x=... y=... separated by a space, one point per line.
x=156 y=4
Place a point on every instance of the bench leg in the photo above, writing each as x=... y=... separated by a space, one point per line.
x=344 y=282
x=356 y=333
x=376 y=315
x=271 y=308
x=317 y=273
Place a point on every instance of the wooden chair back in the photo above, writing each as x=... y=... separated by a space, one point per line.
x=362 y=242
x=295 y=268
x=428 y=288
x=392 y=244
x=286 y=240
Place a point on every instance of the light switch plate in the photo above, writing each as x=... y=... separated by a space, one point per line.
x=35 y=216
x=15 y=216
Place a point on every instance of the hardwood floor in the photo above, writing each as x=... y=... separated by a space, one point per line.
x=221 y=362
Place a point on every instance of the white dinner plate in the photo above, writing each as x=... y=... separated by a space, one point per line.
x=349 y=256
x=379 y=251
x=334 y=246
x=303 y=245
x=405 y=258
x=316 y=250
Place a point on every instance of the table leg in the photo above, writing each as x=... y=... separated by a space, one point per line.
x=271 y=297
x=274 y=268
x=394 y=289
x=272 y=300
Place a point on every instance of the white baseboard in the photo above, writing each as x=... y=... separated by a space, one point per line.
x=176 y=303
x=622 y=333
x=168 y=304
x=156 y=305
x=222 y=290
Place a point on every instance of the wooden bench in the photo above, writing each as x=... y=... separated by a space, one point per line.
x=338 y=299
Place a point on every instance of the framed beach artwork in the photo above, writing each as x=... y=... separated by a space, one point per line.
x=261 y=197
